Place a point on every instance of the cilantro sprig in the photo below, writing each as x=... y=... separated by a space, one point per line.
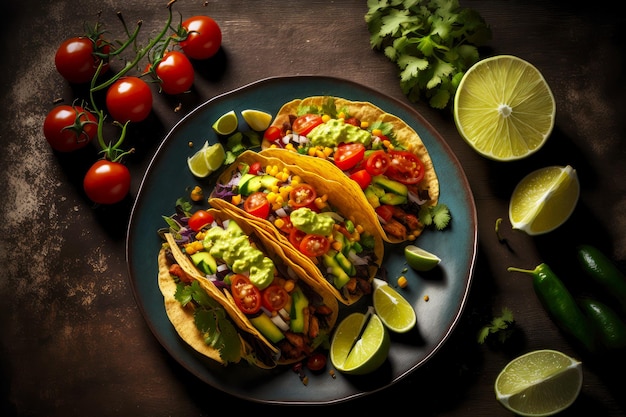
x=502 y=326
x=433 y=42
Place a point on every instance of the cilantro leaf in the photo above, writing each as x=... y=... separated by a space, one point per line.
x=433 y=43
x=438 y=215
x=499 y=325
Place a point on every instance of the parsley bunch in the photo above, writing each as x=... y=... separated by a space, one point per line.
x=433 y=42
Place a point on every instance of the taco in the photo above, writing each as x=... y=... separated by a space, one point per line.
x=384 y=158
x=315 y=218
x=280 y=314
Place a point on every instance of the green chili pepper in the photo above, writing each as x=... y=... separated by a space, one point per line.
x=560 y=304
x=611 y=330
x=600 y=268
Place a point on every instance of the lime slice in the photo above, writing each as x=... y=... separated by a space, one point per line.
x=544 y=199
x=257 y=120
x=504 y=108
x=226 y=124
x=539 y=383
x=420 y=259
x=353 y=352
x=206 y=160
x=393 y=309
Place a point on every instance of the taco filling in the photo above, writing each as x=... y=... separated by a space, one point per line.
x=379 y=152
x=301 y=212
x=261 y=291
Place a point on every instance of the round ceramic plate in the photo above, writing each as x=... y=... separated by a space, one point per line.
x=447 y=286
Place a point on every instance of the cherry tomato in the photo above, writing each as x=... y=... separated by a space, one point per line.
x=361 y=177
x=377 y=163
x=273 y=133
x=107 y=182
x=405 y=167
x=313 y=245
x=175 y=73
x=68 y=128
x=200 y=219
x=302 y=195
x=316 y=362
x=204 y=38
x=76 y=62
x=296 y=236
x=254 y=168
x=247 y=297
x=129 y=99
x=257 y=205
x=348 y=155
x=305 y=123
x=274 y=297
x=385 y=211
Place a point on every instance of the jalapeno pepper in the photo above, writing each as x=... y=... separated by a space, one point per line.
x=611 y=330
x=560 y=304
x=602 y=271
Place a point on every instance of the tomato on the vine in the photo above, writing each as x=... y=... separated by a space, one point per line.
x=302 y=195
x=405 y=167
x=247 y=297
x=275 y=297
x=305 y=123
x=75 y=59
x=204 y=37
x=313 y=245
x=199 y=219
x=68 y=128
x=107 y=182
x=348 y=155
x=257 y=205
x=175 y=73
x=129 y=99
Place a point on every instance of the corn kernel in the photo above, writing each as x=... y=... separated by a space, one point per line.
x=402 y=282
x=279 y=223
x=377 y=132
x=365 y=125
x=271 y=197
x=289 y=146
x=320 y=154
x=341 y=115
x=296 y=179
x=337 y=245
x=289 y=285
x=236 y=199
x=328 y=151
x=312 y=151
x=196 y=194
x=426 y=298
x=325 y=118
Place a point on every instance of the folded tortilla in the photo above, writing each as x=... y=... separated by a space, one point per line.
x=344 y=199
x=404 y=134
x=255 y=347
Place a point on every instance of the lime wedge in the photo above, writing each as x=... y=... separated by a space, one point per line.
x=393 y=309
x=226 y=124
x=206 y=160
x=257 y=120
x=539 y=383
x=420 y=259
x=357 y=350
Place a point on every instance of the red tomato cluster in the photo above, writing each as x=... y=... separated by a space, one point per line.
x=84 y=59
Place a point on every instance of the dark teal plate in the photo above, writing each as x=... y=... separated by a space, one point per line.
x=447 y=287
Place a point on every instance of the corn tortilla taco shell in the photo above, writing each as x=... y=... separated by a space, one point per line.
x=272 y=250
x=364 y=111
x=340 y=196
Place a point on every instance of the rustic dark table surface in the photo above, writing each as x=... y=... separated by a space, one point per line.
x=73 y=341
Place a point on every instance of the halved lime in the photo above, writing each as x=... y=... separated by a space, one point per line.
x=539 y=383
x=258 y=120
x=226 y=124
x=420 y=259
x=206 y=160
x=393 y=309
x=504 y=108
x=544 y=199
x=353 y=352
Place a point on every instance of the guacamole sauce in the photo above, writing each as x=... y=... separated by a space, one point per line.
x=233 y=246
x=311 y=222
x=336 y=131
